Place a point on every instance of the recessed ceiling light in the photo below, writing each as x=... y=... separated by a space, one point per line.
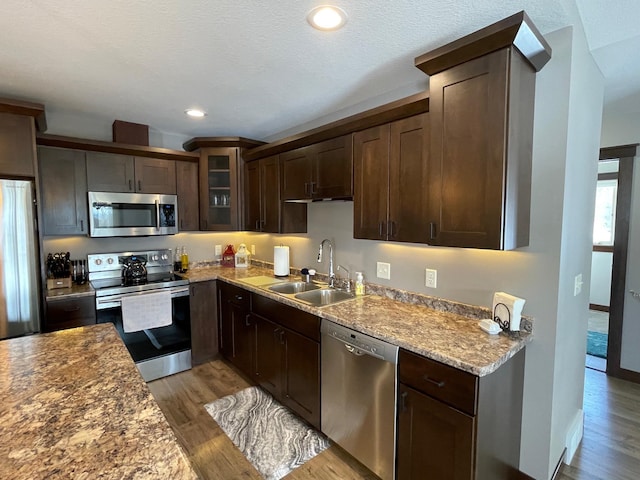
x=327 y=17
x=194 y=112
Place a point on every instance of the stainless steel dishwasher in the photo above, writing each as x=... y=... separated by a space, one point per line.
x=358 y=396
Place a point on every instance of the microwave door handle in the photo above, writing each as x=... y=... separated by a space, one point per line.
x=157 y=215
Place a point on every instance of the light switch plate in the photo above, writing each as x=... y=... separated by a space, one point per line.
x=577 y=285
x=431 y=278
x=383 y=270
x=253 y=249
x=218 y=250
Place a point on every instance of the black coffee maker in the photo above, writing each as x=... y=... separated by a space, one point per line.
x=134 y=270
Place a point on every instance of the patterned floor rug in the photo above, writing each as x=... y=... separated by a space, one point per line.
x=273 y=439
x=597 y=344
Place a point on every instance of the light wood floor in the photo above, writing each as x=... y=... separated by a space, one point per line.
x=610 y=449
x=182 y=398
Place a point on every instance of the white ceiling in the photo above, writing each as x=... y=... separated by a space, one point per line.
x=257 y=67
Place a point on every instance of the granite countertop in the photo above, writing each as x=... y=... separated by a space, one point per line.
x=73 y=405
x=446 y=336
x=73 y=292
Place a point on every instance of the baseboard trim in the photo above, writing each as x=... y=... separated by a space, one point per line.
x=574 y=436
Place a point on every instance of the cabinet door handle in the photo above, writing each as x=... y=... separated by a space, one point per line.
x=432 y=231
x=257 y=225
x=437 y=383
x=282 y=340
x=313 y=190
x=391 y=232
x=238 y=297
x=246 y=320
x=82 y=225
x=139 y=185
x=306 y=188
x=403 y=402
x=130 y=185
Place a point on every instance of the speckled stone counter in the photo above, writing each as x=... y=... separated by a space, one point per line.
x=73 y=406
x=445 y=336
x=75 y=291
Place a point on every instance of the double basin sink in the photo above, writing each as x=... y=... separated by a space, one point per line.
x=311 y=293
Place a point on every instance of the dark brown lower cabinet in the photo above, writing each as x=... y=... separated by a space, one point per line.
x=453 y=425
x=204 y=321
x=275 y=345
x=236 y=332
x=69 y=312
x=435 y=440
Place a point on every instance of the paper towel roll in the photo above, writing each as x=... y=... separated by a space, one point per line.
x=281 y=261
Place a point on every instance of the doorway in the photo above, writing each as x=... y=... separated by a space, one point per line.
x=625 y=155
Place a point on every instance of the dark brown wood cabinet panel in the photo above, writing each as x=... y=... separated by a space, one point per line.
x=17 y=145
x=268 y=355
x=237 y=332
x=204 y=321
x=292 y=318
x=108 y=172
x=270 y=208
x=301 y=382
x=434 y=439
x=296 y=168
x=70 y=312
x=155 y=175
x=188 y=198
x=408 y=180
x=333 y=168
x=63 y=191
x=447 y=384
x=252 y=197
x=371 y=182
x=481 y=133
x=220 y=176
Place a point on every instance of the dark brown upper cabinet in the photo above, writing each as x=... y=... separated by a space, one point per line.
x=264 y=211
x=107 y=172
x=17 y=145
x=221 y=180
x=188 y=197
x=482 y=100
x=63 y=191
x=321 y=170
x=390 y=181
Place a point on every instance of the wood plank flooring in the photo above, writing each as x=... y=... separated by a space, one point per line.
x=610 y=448
x=182 y=398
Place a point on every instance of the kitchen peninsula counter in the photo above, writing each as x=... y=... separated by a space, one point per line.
x=73 y=405
x=449 y=336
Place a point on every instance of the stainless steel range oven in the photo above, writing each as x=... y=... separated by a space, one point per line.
x=132 y=277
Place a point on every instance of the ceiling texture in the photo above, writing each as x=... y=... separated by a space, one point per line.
x=257 y=67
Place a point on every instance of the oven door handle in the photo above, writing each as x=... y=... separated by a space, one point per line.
x=157 y=214
x=175 y=292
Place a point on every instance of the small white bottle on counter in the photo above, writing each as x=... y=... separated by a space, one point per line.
x=359 y=283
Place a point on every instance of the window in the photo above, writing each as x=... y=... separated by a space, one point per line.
x=605 y=216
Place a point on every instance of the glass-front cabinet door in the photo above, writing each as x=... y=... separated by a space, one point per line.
x=219 y=209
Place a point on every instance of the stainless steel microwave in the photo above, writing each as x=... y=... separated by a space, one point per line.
x=132 y=214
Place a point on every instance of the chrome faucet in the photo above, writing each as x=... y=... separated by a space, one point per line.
x=346 y=283
x=332 y=275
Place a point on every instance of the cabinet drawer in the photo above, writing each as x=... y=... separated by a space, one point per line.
x=235 y=295
x=442 y=382
x=297 y=320
x=70 y=312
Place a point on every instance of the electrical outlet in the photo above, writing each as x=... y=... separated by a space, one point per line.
x=431 y=278
x=218 y=250
x=577 y=285
x=383 y=270
x=253 y=249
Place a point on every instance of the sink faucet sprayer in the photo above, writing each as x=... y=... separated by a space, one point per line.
x=332 y=276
